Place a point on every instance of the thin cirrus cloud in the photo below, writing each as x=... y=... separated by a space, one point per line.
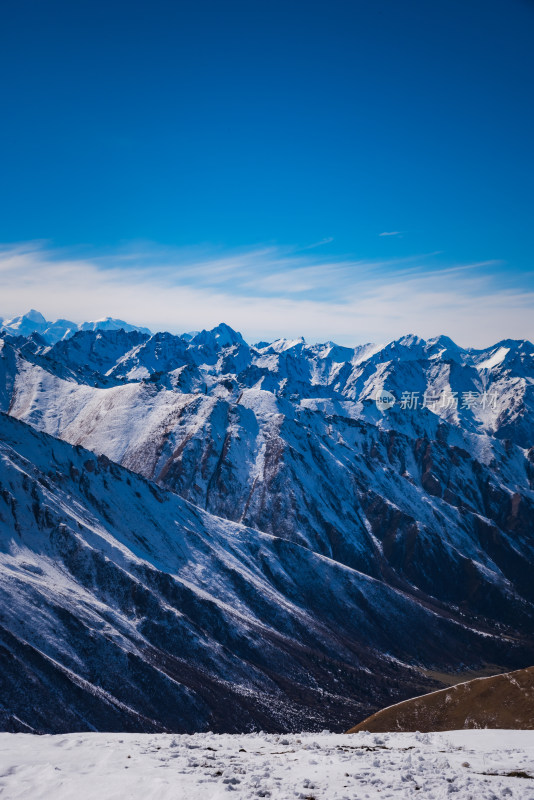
x=390 y=233
x=268 y=292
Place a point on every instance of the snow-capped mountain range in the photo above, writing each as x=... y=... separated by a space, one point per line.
x=52 y=332
x=272 y=537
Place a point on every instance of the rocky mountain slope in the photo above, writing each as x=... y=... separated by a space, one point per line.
x=124 y=607
x=266 y=436
x=502 y=701
x=434 y=504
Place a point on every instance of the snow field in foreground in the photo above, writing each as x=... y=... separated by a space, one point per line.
x=465 y=764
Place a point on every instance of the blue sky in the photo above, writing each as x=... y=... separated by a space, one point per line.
x=236 y=152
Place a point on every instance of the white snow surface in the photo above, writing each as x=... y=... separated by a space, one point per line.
x=469 y=764
x=495 y=359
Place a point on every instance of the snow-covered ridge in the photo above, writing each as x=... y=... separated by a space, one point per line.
x=487 y=391
x=52 y=332
x=125 y=607
x=433 y=508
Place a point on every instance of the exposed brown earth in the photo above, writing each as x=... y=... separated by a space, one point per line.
x=502 y=701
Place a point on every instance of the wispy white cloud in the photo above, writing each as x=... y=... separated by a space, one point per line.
x=320 y=243
x=268 y=292
x=390 y=233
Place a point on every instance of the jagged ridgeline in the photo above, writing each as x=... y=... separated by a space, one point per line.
x=247 y=540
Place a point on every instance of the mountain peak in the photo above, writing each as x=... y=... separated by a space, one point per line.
x=409 y=340
x=111 y=324
x=34 y=322
x=222 y=335
x=25 y=324
x=35 y=316
x=226 y=335
x=281 y=345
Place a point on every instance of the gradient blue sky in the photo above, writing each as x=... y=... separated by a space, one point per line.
x=164 y=139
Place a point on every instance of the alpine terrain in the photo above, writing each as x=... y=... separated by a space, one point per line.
x=201 y=534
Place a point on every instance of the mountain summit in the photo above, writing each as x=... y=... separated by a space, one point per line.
x=227 y=526
x=52 y=332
